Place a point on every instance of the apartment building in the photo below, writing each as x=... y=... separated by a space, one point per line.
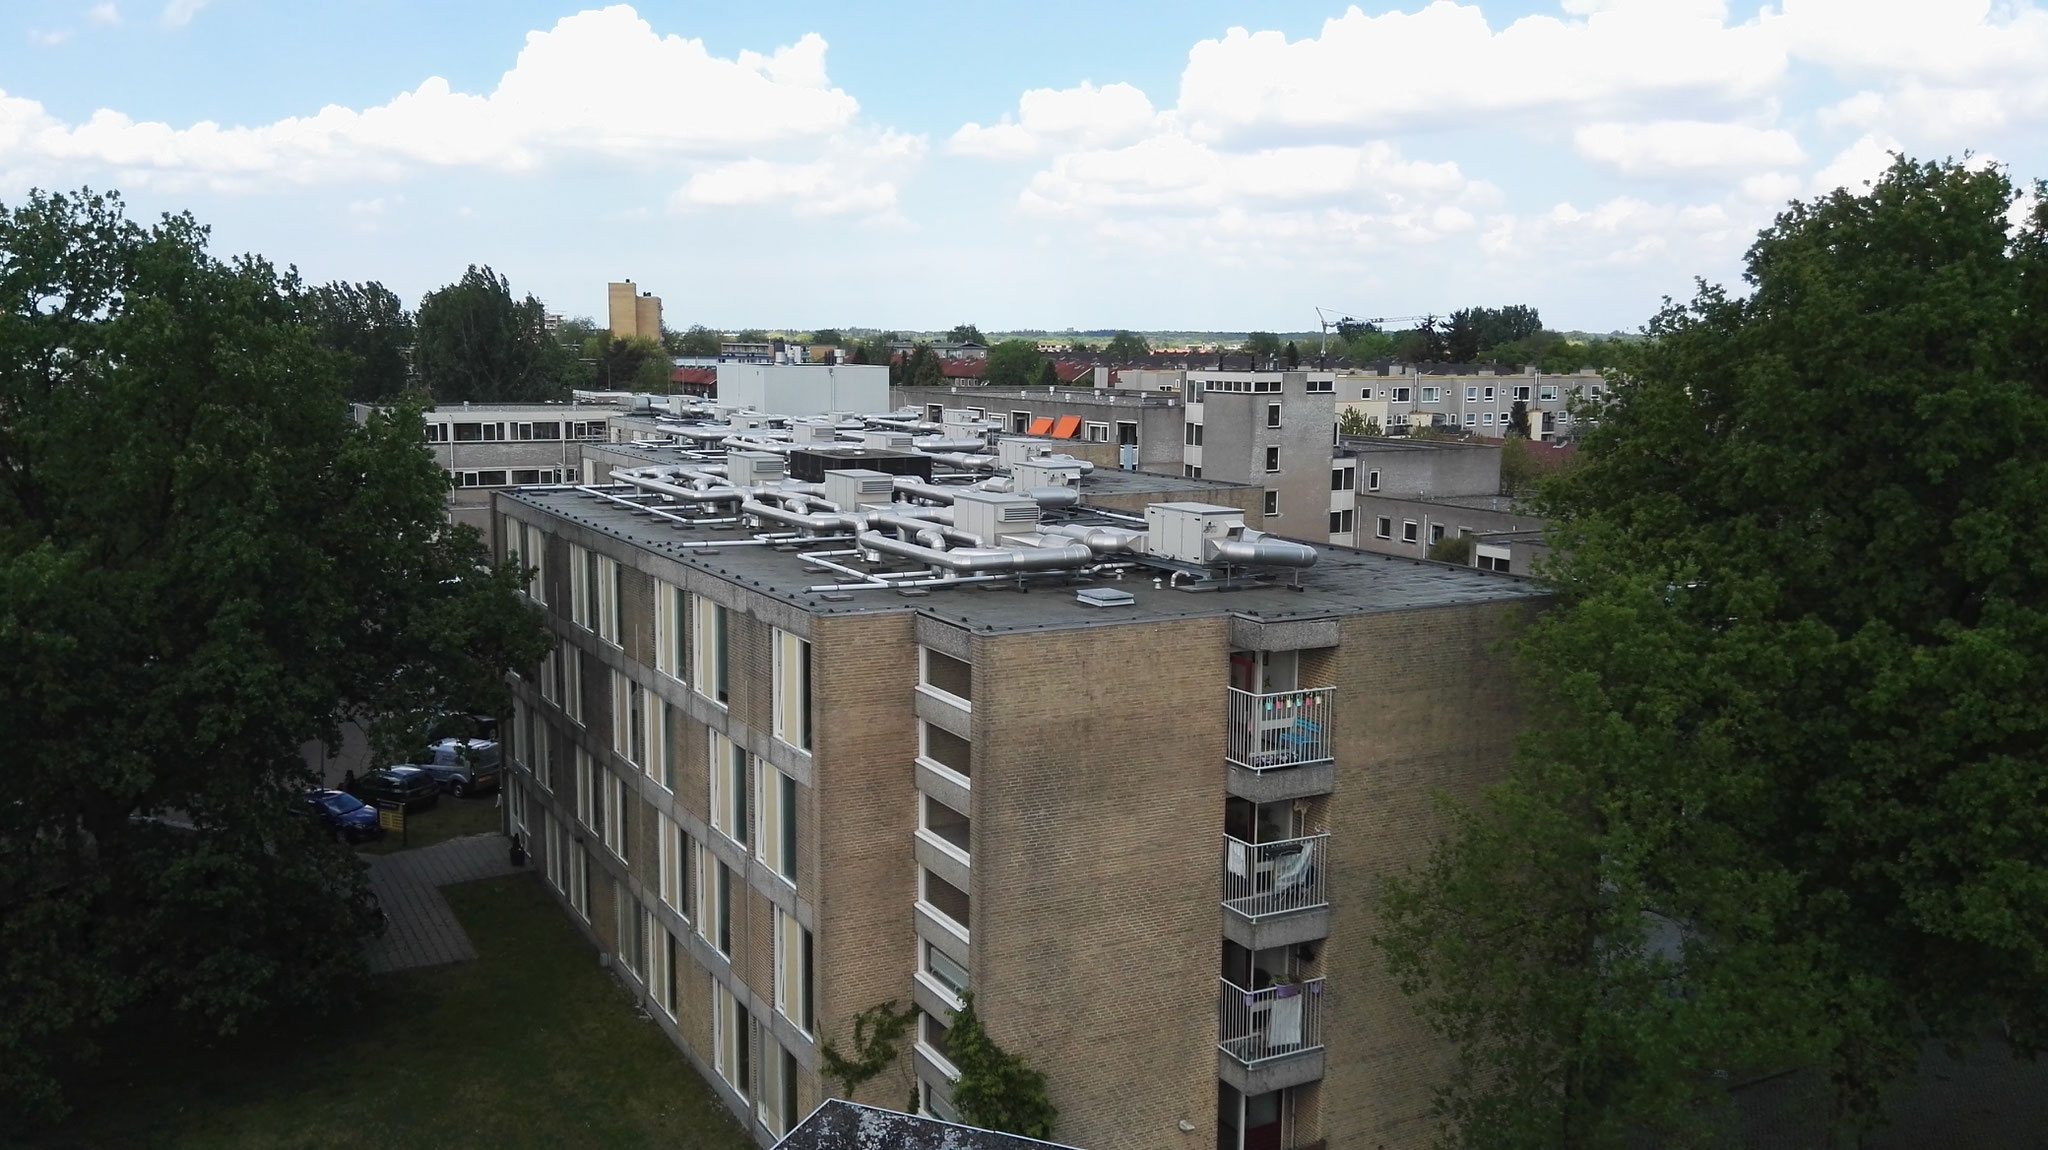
x=1480 y=400
x=631 y=313
x=1410 y=526
x=802 y=749
x=484 y=447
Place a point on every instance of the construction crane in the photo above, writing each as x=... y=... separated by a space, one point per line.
x=1323 y=316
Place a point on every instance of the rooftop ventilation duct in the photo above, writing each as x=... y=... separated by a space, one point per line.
x=992 y=516
x=1205 y=534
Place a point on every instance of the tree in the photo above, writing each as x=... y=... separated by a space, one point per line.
x=1291 y=355
x=1518 y=420
x=1126 y=346
x=629 y=364
x=1263 y=344
x=1421 y=344
x=1365 y=346
x=967 y=333
x=1356 y=423
x=1048 y=375
x=204 y=562
x=1461 y=336
x=1788 y=809
x=367 y=323
x=1452 y=549
x=1013 y=363
x=827 y=337
x=698 y=341
x=996 y=1090
x=477 y=343
x=921 y=367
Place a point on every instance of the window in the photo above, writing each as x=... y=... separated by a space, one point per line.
x=793 y=976
x=608 y=580
x=437 y=433
x=1194 y=434
x=671 y=726
x=1384 y=528
x=670 y=611
x=1126 y=433
x=618 y=815
x=942 y=896
x=932 y=1034
x=936 y=1105
x=946 y=749
x=1372 y=481
x=1272 y=459
x=579 y=881
x=572 y=684
x=1471 y=418
x=1547 y=391
x=1272 y=415
x=945 y=823
x=776 y=844
x=701 y=908
x=551 y=676
x=1343 y=478
x=629 y=738
x=551 y=835
x=585 y=804
x=941 y=966
x=1020 y=422
x=1408 y=531
x=1436 y=532
x=792 y=690
x=712 y=654
x=721 y=911
x=950 y=675
x=1365 y=393
x=1487 y=419
x=1098 y=433
x=469 y=432
x=532 y=546
x=1401 y=394
x=1341 y=522
x=670 y=970
x=666 y=871
x=1432 y=395
x=638 y=945
x=776 y=1104
x=1522 y=393
x=1321 y=386
x=729 y=1037
x=728 y=788
x=1272 y=503
x=1471 y=395
x=1489 y=395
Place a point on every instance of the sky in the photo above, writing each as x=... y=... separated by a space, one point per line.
x=1196 y=165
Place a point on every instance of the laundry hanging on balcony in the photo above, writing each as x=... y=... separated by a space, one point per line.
x=1240 y=859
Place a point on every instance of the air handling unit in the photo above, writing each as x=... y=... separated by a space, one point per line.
x=991 y=516
x=859 y=489
x=753 y=468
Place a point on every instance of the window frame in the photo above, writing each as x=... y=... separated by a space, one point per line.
x=792 y=673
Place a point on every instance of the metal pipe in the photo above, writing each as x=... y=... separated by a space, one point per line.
x=1256 y=548
x=1101 y=540
x=980 y=560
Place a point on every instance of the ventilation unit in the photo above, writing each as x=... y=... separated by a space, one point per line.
x=813 y=431
x=1178 y=530
x=992 y=515
x=1046 y=472
x=887 y=440
x=1015 y=451
x=852 y=489
x=753 y=468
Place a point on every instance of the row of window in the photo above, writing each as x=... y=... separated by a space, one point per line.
x=1520 y=392
x=509 y=477
x=513 y=432
x=1410 y=530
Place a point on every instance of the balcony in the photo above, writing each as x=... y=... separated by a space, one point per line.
x=1270 y=1038
x=1283 y=729
x=1273 y=892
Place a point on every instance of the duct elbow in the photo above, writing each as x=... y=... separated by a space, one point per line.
x=1056 y=496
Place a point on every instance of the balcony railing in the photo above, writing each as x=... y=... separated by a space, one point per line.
x=1263 y=879
x=1283 y=729
x=1255 y=1026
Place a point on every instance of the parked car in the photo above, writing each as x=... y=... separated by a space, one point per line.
x=344 y=814
x=406 y=787
x=462 y=766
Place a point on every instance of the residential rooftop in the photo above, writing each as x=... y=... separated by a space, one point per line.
x=1343 y=581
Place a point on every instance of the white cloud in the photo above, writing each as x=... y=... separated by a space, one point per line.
x=1685 y=146
x=1859 y=163
x=599 y=83
x=179 y=13
x=1048 y=118
x=1443 y=65
x=852 y=177
x=104 y=13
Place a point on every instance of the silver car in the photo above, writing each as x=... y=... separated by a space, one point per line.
x=462 y=766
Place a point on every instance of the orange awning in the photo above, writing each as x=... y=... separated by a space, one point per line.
x=1069 y=426
x=1041 y=426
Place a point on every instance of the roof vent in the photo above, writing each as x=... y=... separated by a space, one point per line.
x=856 y=487
x=1104 y=597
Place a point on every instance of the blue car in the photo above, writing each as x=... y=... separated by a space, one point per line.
x=345 y=814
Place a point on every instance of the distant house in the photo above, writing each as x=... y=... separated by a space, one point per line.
x=843 y=1125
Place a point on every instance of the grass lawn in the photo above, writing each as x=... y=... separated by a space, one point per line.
x=448 y=819
x=531 y=1045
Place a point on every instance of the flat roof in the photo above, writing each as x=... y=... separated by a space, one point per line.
x=1504 y=504
x=1344 y=581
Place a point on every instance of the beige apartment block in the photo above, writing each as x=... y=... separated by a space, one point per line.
x=1145 y=835
x=631 y=313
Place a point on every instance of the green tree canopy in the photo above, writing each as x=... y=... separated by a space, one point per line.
x=1014 y=363
x=203 y=564
x=828 y=336
x=966 y=333
x=477 y=343
x=1125 y=346
x=366 y=323
x=1262 y=344
x=1791 y=810
x=921 y=367
x=699 y=340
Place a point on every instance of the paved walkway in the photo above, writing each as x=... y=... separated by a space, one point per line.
x=421 y=930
